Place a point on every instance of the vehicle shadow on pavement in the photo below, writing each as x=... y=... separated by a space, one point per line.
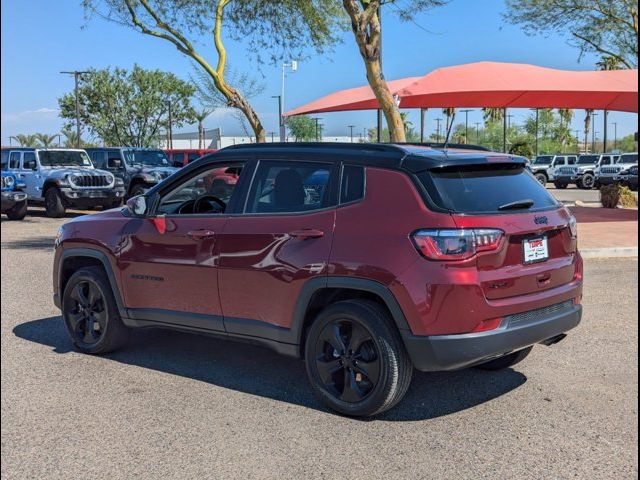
x=35 y=243
x=259 y=371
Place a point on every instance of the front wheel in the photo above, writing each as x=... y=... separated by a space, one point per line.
x=356 y=362
x=90 y=312
x=53 y=203
x=542 y=178
x=587 y=181
x=18 y=211
x=506 y=361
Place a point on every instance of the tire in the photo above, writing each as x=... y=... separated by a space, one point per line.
x=542 y=179
x=561 y=186
x=18 y=211
x=506 y=361
x=379 y=352
x=53 y=203
x=138 y=189
x=587 y=181
x=90 y=313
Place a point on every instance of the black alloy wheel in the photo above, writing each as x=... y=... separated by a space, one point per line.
x=87 y=316
x=347 y=360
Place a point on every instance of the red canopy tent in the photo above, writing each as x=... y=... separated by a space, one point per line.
x=496 y=85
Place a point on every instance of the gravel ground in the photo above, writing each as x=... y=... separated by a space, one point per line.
x=174 y=405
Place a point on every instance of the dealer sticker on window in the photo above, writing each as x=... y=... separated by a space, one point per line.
x=536 y=250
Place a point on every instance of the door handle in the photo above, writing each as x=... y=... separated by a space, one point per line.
x=306 y=233
x=201 y=234
x=543 y=279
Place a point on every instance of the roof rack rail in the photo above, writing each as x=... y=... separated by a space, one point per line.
x=459 y=146
x=379 y=147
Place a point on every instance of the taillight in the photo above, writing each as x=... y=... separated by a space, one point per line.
x=573 y=226
x=458 y=244
x=487 y=325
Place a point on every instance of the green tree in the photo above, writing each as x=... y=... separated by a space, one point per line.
x=46 y=140
x=607 y=27
x=130 y=108
x=200 y=116
x=367 y=31
x=522 y=148
x=492 y=115
x=26 y=140
x=302 y=127
x=269 y=30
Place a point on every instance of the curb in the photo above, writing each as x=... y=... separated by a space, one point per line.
x=616 y=252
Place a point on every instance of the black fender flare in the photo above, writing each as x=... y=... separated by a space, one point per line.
x=104 y=260
x=354 y=283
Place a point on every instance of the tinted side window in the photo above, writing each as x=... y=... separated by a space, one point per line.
x=573 y=160
x=14 y=160
x=29 y=160
x=285 y=187
x=5 y=159
x=606 y=161
x=97 y=158
x=352 y=187
x=192 y=156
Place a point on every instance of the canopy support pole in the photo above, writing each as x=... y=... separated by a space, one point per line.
x=537 y=128
x=379 y=125
x=423 y=115
x=504 y=130
x=606 y=131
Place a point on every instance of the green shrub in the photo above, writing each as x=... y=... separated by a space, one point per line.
x=613 y=195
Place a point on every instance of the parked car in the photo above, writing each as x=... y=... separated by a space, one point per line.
x=582 y=174
x=545 y=166
x=62 y=178
x=607 y=173
x=139 y=168
x=629 y=178
x=183 y=157
x=469 y=262
x=14 y=200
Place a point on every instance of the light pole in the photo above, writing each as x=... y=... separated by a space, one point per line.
x=438 y=120
x=351 y=127
x=615 y=135
x=466 y=124
x=272 y=136
x=76 y=76
x=280 y=117
x=478 y=133
x=537 y=110
x=593 y=132
x=293 y=67
x=317 y=119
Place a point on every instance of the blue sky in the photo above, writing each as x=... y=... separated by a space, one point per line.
x=40 y=38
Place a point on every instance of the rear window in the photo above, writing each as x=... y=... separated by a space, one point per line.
x=485 y=188
x=588 y=159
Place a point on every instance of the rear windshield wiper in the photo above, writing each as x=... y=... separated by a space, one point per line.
x=526 y=203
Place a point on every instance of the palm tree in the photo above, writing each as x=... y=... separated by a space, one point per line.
x=71 y=138
x=492 y=115
x=45 y=140
x=201 y=115
x=566 y=115
x=26 y=140
x=587 y=127
x=449 y=113
x=408 y=124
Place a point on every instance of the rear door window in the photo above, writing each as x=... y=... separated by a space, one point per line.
x=477 y=189
x=14 y=160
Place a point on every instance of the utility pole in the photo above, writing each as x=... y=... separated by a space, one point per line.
x=76 y=76
x=615 y=135
x=537 y=110
x=351 y=127
x=280 y=117
x=504 y=130
x=272 y=136
x=478 y=133
x=466 y=124
x=438 y=120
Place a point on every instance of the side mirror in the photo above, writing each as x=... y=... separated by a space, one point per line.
x=114 y=163
x=30 y=165
x=137 y=205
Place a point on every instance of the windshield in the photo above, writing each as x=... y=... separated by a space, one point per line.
x=543 y=160
x=146 y=158
x=629 y=158
x=588 y=159
x=485 y=188
x=64 y=158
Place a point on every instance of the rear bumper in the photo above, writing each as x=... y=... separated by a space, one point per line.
x=452 y=352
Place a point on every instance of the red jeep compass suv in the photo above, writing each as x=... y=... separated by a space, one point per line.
x=366 y=260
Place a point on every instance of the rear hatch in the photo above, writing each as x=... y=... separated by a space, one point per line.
x=538 y=249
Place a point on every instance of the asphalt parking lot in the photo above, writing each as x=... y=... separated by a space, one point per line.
x=174 y=405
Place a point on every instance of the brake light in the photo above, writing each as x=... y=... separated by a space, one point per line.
x=460 y=244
